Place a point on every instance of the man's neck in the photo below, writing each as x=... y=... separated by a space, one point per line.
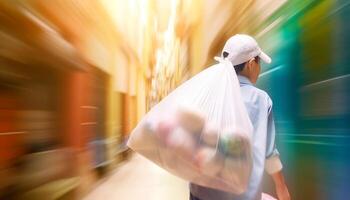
x=244 y=79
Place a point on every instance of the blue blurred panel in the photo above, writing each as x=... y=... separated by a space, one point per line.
x=309 y=83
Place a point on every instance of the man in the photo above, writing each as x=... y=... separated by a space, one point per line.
x=244 y=54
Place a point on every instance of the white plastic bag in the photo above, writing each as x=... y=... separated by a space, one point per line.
x=201 y=131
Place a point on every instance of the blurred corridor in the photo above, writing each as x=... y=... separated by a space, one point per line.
x=148 y=181
x=77 y=75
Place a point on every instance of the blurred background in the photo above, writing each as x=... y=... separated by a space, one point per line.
x=77 y=75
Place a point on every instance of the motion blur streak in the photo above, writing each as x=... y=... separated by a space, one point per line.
x=76 y=77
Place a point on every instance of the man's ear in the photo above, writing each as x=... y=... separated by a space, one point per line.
x=250 y=64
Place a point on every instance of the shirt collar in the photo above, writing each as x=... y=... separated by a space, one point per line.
x=244 y=80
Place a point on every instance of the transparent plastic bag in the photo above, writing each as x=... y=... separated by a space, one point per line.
x=201 y=131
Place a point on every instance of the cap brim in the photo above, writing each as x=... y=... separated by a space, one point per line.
x=265 y=58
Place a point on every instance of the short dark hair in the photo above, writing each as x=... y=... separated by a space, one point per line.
x=239 y=67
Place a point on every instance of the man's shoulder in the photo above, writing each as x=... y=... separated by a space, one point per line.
x=257 y=96
x=259 y=93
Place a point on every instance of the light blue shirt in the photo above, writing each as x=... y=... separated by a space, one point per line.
x=259 y=108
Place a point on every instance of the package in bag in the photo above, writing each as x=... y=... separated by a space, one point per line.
x=201 y=131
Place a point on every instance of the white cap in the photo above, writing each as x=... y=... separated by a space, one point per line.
x=241 y=48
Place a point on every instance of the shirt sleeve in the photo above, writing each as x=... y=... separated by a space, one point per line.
x=273 y=163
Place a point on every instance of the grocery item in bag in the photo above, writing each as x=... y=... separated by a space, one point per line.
x=210 y=135
x=181 y=142
x=191 y=120
x=209 y=161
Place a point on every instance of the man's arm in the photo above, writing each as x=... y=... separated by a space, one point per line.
x=280 y=185
x=273 y=164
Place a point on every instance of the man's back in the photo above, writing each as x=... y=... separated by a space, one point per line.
x=259 y=108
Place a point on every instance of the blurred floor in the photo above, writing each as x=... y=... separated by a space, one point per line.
x=140 y=179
